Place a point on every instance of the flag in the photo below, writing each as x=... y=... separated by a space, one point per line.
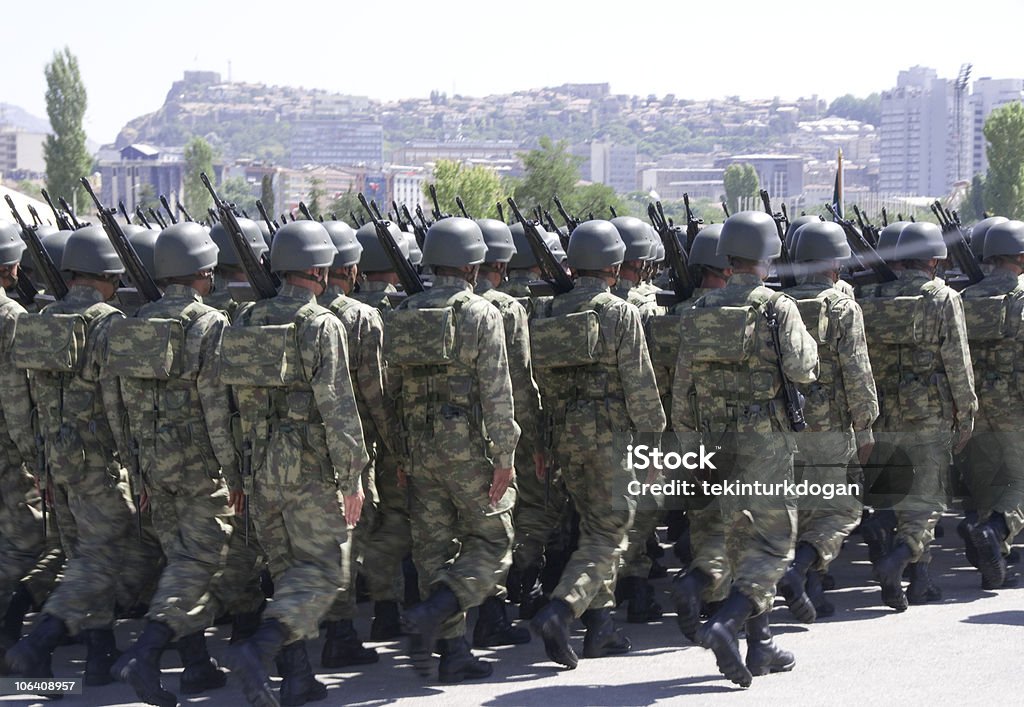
x=837 y=190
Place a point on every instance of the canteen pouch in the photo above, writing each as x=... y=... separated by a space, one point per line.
x=566 y=340
x=260 y=356
x=150 y=349
x=50 y=342
x=663 y=340
x=719 y=334
x=406 y=342
x=899 y=320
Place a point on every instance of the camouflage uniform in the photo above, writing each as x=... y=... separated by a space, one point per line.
x=459 y=539
x=995 y=474
x=597 y=410
x=307 y=448
x=926 y=391
x=736 y=405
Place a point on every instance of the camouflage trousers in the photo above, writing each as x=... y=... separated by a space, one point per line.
x=458 y=538
x=44 y=575
x=190 y=513
x=995 y=476
x=236 y=588
x=540 y=508
x=388 y=538
x=824 y=523
x=302 y=530
x=922 y=455
x=107 y=563
x=592 y=457
x=22 y=539
x=707 y=543
x=650 y=511
x=344 y=605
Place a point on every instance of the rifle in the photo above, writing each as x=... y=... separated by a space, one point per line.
x=692 y=223
x=551 y=225
x=305 y=211
x=862 y=249
x=786 y=277
x=183 y=210
x=558 y=282
x=264 y=282
x=866 y=228
x=137 y=486
x=125 y=251
x=36 y=221
x=142 y=217
x=791 y=395
x=266 y=217
x=44 y=481
x=71 y=214
x=422 y=217
x=418 y=232
x=570 y=222
x=49 y=272
x=725 y=208
x=407 y=275
x=885 y=218
x=167 y=208
x=247 y=484
x=124 y=212
x=438 y=215
x=683 y=285
x=462 y=206
x=157 y=217
x=501 y=213
x=959 y=251
x=216 y=219
x=61 y=220
x=356 y=221
x=612 y=209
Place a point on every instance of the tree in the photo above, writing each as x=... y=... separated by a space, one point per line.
x=479 y=187
x=67 y=158
x=972 y=208
x=238 y=192
x=1004 y=183
x=316 y=196
x=267 y=194
x=867 y=110
x=740 y=181
x=596 y=199
x=344 y=205
x=198 y=160
x=551 y=170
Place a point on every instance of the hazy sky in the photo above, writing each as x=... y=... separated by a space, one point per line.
x=130 y=52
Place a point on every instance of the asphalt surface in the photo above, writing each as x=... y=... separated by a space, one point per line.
x=963 y=650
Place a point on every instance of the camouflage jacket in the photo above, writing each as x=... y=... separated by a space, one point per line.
x=641 y=295
x=998 y=362
x=17 y=441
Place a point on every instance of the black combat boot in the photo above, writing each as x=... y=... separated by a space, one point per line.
x=602 y=638
x=14 y=619
x=816 y=593
x=387 y=623
x=422 y=623
x=793 y=587
x=531 y=596
x=890 y=574
x=299 y=685
x=877 y=535
x=686 y=591
x=30 y=657
x=100 y=656
x=493 y=627
x=139 y=666
x=247 y=658
x=642 y=606
x=763 y=655
x=458 y=663
x=963 y=529
x=552 y=624
x=921 y=589
x=987 y=539
x=719 y=634
x=244 y=625
x=342 y=647
x=201 y=672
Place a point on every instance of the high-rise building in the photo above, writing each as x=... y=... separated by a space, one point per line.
x=986 y=95
x=339 y=141
x=916 y=150
x=21 y=152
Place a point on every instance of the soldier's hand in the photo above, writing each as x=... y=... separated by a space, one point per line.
x=540 y=466
x=864 y=453
x=353 y=507
x=236 y=499
x=500 y=482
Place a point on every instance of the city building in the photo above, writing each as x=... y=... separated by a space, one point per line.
x=336 y=140
x=781 y=175
x=421 y=152
x=406 y=185
x=605 y=162
x=987 y=94
x=670 y=184
x=140 y=173
x=21 y=153
x=916 y=148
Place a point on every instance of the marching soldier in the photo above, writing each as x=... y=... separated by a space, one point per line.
x=229 y=268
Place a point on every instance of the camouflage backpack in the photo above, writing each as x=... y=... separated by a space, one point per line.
x=996 y=339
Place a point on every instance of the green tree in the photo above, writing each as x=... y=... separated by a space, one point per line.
x=867 y=110
x=551 y=170
x=316 y=196
x=238 y=192
x=346 y=204
x=267 y=194
x=972 y=208
x=145 y=199
x=596 y=199
x=1004 y=183
x=67 y=159
x=740 y=180
x=198 y=160
x=479 y=187
x=30 y=188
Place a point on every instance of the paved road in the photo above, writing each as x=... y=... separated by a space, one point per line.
x=963 y=650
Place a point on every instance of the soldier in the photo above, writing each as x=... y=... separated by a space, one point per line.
x=80 y=413
x=179 y=421
x=602 y=397
x=977 y=240
x=391 y=540
x=286 y=360
x=840 y=408
x=727 y=395
x=918 y=345
x=534 y=522
x=994 y=311
x=21 y=523
x=459 y=418
x=229 y=268
x=365 y=330
x=522 y=269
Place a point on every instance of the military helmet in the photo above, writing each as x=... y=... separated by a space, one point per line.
x=523 y=257
x=88 y=250
x=820 y=240
x=344 y=239
x=54 y=246
x=498 y=237
x=920 y=241
x=979 y=232
x=301 y=245
x=888 y=237
x=1004 y=238
x=704 y=249
x=44 y=231
x=659 y=251
x=454 y=242
x=637 y=237
x=415 y=253
x=594 y=245
x=751 y=235
x=373 y=258
x=555 y=245
x=227 y=254
x=183 y=249
x=795 y=225
x=11 y=245
x=143 y=240
x=264 y=231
